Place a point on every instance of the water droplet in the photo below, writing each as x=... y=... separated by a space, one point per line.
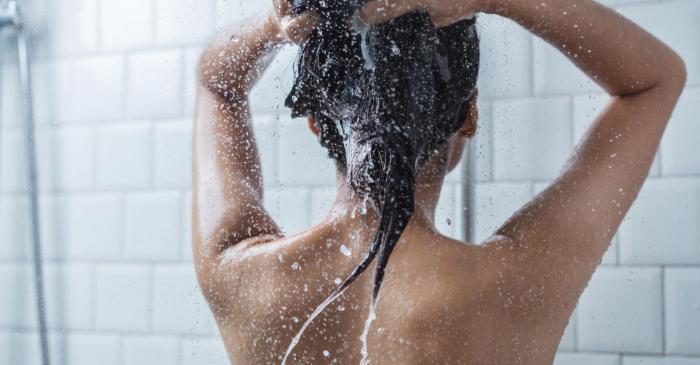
x=326 y=353
x=296 y=266
x=345 y=250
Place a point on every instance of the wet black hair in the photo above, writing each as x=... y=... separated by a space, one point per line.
x=385 y=98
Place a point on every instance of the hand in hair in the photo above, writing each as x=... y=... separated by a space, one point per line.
x=293 y=27
x=442 y=12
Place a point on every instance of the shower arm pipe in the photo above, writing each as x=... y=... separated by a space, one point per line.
x=10 y=17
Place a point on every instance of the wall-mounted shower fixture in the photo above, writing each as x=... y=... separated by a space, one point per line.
x=11 y=20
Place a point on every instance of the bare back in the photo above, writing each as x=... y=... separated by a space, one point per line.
x=443 y=301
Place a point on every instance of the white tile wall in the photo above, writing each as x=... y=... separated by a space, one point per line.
x=680 y=149
x=153 y=225
x=682 y=305
x=123 y=156
x=648 y=237
x=172 y=148
x=148 y=350
x=673 y=22
x=586 y=359
x=121 y=298
x=658 y=360
x=505 y=58
x=100 y=95
x=154 y=84
x=125 y=24
x=203 y=351
x=621 y=310
x=69 y=293
x=177 y=305
x=114 y=94
x=536 y=131
x=183 y=21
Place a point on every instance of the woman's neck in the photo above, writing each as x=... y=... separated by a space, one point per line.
x=350 y=205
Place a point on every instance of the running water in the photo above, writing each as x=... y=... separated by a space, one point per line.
x=362 y=29
x=311 y=318
x=368 y=323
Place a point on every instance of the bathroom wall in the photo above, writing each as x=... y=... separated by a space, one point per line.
x=114 y=88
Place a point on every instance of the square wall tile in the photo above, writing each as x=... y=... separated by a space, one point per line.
x=124 y=156
x=154 y=84
x=621 y=310
x=555 y=74
x=289 y=208
x=230 y=12
x=18 y=307
x=149 y=350
x=506 y=62
x=183 y=21
x=322 y=200
x=267 y=139
x=13 y=158
x=90 y=349
x=679 y=155
x=66 y=158
x=122 y=297
x=445 y=217
x=662 y=226
x=15 y=228
x=274 y=85
x=91 y=225
x=203 y=351
x=585 y=359
x=178 y=305
x=98 y=88
x=69 y=296
x=154 y=225
x=20 y=348
x=532 y=138
x=672 y=22
x=495 y=203
x=682 y=290
x=126 y=24
x=172 y=150
x=301 y=159
x=659 y=360
x=568 y=339
x=73 y=26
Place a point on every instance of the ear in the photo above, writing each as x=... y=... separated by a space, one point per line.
x=468 y=129
x=312 y=126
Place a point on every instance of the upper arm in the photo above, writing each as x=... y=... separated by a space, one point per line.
x=227 y=182
x=568 y=227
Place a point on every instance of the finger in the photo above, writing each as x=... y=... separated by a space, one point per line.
x=281 y=7
x=381 y=11
x=298 y=28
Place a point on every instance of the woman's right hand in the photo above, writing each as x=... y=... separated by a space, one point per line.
x=292 y=27
x=443 y=12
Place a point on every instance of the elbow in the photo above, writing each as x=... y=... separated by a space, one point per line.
x=215 y=75
x=677 y=74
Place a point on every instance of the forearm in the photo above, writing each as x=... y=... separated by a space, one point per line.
x=619 y=55
x=234 y=61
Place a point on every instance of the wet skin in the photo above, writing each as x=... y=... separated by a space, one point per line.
x=505 y=301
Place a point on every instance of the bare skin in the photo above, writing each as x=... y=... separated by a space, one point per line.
x=505 y=301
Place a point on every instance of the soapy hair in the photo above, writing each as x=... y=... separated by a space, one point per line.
x=385 y=98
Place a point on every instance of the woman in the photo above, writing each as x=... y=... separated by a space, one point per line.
x=395 y=117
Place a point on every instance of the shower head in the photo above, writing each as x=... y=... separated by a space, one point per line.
x=9 y=13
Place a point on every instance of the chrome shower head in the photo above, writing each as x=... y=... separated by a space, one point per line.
x=9 y=13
